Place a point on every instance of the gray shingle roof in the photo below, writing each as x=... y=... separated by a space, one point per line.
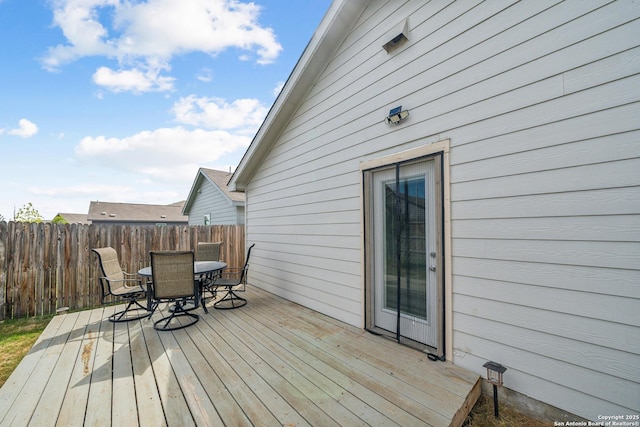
x=135 y=212
x=75 y=218
x=221 y=178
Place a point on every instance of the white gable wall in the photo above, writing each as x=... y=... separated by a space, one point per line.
x=540 y=102
x=212 y=201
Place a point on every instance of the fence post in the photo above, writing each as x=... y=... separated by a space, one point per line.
x=3 y=269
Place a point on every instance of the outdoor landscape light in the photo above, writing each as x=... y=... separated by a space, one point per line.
x=396 y=115
x=494 y=376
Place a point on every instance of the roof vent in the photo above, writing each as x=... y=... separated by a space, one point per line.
x=397 y=37
x=103 y=213
x=112 y=215
x=163 y=216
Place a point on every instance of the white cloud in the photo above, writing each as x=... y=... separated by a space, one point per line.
x=75 y=198
x=83 y=190
x=86 y=36
x=243 y=115
x=133 y=80
x=149 y=33
x=194 y=25
x=26 y=129
x=167 y=154
x=278 y=89
x=205 y=75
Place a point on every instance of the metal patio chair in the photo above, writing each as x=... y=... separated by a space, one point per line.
x=232 y=280
x=173 y=282
x=208 y=251
x=121 y=285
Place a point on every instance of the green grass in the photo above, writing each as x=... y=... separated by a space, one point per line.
x=16 y=339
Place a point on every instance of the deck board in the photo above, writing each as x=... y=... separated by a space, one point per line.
x=351 y=354
x=148 y=401
x=51 y=398
x=20 y=376
x=271 y=362
x=100 y=377
x=331 y=385
x=377 y=409
x=76 y=393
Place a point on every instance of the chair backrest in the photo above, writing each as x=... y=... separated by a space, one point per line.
x=111 y=270
x=109 y=263
x=245 y=268
x=208 y=251
x=173 y=275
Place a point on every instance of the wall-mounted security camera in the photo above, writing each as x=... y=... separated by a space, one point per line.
x=396 y=115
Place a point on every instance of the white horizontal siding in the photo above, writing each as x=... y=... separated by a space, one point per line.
x=567 y=154
x=212 y=201
x=610 y=201
x=574 y=389
x=578 y=178
x=553 y=298
x=560 y=131
x=615 y=228
x=390 y=81
x=239 y=215
x=546 y=231
x=560 y=324
x=202 y=204
x=603 y=365
x=540 y=103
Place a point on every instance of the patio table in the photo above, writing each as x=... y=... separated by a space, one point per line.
x=201 y=270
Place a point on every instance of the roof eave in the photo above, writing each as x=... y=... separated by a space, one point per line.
x=328 y=36
x=192 y=193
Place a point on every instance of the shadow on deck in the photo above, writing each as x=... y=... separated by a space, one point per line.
x=269 y=363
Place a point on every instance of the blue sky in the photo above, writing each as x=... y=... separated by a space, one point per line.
x=123 y=100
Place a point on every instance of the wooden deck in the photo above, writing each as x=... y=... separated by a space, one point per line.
x=269 y=363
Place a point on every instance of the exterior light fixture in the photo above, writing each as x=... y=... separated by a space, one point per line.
x=396 y=115
x=494 y=376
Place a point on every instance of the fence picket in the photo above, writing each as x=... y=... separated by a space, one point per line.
x=45 y=266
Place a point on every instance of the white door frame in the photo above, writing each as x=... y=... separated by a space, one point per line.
x=441 y=147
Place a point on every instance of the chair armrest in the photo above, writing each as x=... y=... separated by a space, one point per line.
x=231 y=272
x=125 y=281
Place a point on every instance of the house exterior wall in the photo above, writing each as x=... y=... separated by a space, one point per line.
x=240 y=215
x=540 y=103
x=212 y=201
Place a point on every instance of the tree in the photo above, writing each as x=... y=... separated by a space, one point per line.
x=28 y=213
x=59 y=219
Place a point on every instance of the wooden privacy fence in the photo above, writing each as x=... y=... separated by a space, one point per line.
x=47 y=266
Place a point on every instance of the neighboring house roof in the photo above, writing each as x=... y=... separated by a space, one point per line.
x=75 y=218
x=333 y=29
x=219 y=179
x=135 y=212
